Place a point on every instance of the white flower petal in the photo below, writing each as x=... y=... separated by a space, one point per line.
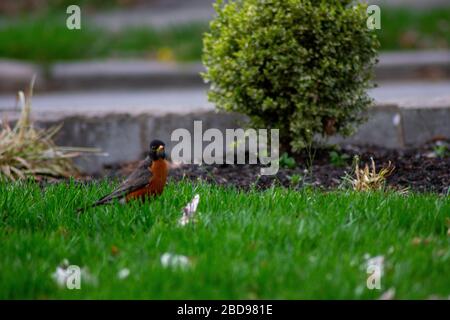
x=377 y=261
x=175 y=261
x=388 y=295
x=189 y=211
x=123 y=273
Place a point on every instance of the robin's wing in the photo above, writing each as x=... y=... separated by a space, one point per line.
x=139 y=178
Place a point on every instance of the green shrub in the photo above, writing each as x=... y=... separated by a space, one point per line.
x=302 y=66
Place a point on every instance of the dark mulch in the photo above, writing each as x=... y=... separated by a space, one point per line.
x=420 y=170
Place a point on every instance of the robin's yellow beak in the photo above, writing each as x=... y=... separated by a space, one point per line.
x=160 y=151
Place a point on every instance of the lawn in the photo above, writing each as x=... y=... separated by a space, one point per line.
x=45 y=38
x=278 y=243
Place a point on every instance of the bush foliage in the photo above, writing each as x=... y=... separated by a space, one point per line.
x=302 y=66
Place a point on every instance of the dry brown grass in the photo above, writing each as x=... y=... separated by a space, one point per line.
x=26 y=151
x=367 y=178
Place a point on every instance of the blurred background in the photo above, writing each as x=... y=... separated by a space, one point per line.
x=140 y=60
x=171 y=30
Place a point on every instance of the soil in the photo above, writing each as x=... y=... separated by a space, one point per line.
x=425 y=169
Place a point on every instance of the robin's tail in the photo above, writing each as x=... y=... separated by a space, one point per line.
x=83 y=209
x=96 y=204
x=103 y=201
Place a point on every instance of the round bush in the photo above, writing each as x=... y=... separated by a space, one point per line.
x=302 y=66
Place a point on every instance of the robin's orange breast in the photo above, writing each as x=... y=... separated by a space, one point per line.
x=155 y=187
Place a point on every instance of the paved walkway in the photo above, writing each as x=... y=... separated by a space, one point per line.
x=413 y=94
x=94 y=103
x=131 y=74
x=106 y=119
x=181 y=101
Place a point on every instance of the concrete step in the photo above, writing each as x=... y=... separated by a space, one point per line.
x=142 y=74
x=123 y=122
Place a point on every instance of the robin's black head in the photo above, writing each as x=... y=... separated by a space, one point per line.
x=157 y=150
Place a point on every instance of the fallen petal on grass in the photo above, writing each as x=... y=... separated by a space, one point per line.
x=189 y=211
x=123 y=273
x=65 y=273
x=377 y=261
x=175 y=261
x=388 y=295
x=61 y=275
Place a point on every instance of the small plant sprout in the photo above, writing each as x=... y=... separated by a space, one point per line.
x=338 y=159
x=287 y=162
x=295 y=179
x=368 y=179
x=441 y=150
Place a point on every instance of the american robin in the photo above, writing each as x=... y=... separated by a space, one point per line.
x=147 y=180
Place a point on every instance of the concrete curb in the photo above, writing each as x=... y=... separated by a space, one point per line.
x=123 y=74
x=16 y=75
x=413 y=65
x=140 y=74
x=124 y=136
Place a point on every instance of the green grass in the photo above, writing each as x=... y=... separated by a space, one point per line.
x=274 y=244
x=403 y=29
x=46 y=39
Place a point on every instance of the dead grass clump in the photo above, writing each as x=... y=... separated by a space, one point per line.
x=26 y=151
x=367 y=178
